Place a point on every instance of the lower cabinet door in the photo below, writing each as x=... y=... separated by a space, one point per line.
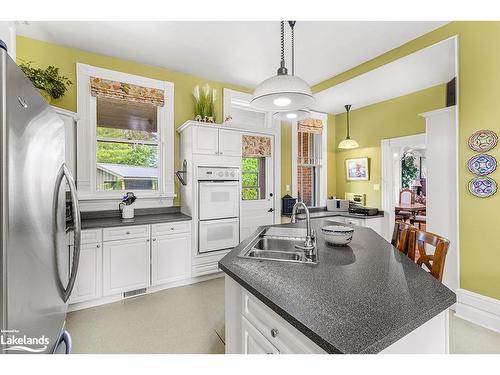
x=171 y=256
x=253 y=341
x=126 y=265
x=88 y=280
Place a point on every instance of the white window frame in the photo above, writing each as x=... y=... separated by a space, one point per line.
x=87 y=140
x=322 y=168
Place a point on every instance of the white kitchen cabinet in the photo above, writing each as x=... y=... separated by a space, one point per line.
x=88 y=279
x=229 y=143
x=205 y=141
x=213 y=141
x=374 y=223
x=171 y=258
x=253 y=341
x=126 y=265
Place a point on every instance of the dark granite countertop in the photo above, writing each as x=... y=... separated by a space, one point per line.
x=112 y=218
x=319 y=212
x=358 y=299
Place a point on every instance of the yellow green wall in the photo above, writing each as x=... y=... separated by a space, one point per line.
x=286 y=157
x=369 y=125
x=479 y=74
x=43 y=54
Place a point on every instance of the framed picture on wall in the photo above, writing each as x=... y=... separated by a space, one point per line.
x=357 y=169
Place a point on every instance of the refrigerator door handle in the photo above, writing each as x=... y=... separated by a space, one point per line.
x=65 y=173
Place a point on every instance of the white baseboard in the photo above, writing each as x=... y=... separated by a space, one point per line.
x=478 y=309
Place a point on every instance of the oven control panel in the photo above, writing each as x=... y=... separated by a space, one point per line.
x=218 y=173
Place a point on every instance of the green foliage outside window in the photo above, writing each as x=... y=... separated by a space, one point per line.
x=127 y=153
x=250 y=178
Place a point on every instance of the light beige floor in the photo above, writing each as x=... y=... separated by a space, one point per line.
x=469 y=338
x=190 y=319
x=186 y=319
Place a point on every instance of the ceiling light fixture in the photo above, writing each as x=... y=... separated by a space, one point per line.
x=348 y=143
x=298 y=115
x=283 y=92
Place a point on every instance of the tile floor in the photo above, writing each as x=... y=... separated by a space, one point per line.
x=190 y=319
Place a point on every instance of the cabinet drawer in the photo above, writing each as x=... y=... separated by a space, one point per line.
x=123 y=233
x=359 y=222
x=171 y=228
x=275 y=329
x=88 y=236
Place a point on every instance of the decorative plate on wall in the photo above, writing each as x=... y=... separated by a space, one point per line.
x=483 y=187
x=482 y=164
x=483 y=140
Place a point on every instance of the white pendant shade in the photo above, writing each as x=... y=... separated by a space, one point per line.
x=293 y=115
x=348 y=143
x=282 y=93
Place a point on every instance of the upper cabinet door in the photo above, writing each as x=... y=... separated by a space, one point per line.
x=205 y=140
x=229 y=143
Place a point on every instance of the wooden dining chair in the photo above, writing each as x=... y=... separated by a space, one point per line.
x=406 y=196
x=400 y=236
x=417 y=250
x=419 y=220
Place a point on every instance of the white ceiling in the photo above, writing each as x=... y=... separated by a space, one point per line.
x=423 y=69
x=242 y=52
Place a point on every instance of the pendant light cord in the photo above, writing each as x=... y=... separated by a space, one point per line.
x=283 y=42
x=347 y=108
x=292 y=26
x=282 y=69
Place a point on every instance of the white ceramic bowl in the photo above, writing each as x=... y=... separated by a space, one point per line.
x=337 y=235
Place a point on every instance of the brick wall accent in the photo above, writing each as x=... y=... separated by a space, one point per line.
x=305 y=176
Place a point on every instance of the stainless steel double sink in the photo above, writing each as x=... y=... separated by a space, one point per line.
x=278 y=244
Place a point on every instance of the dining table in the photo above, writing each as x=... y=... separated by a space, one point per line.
x=414 y=208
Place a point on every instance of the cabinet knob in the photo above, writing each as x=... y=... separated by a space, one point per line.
x=172 y=228
x=147 y=240
x=274 y=332
x=98 y=246
x=127 y=232
x=154 y=239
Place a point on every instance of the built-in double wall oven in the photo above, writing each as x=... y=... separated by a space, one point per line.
x=219 y=208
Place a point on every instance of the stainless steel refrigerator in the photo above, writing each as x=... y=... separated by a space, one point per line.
x=36 y=277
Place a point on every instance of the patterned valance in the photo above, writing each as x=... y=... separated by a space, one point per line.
x=103 y=88
x=255 y=146
x=310 y=125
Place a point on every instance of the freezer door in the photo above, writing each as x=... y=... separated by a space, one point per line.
x=34 y=219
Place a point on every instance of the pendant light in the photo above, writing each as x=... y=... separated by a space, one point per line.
x=348 y=143
x=282 y=92
x=299 y=114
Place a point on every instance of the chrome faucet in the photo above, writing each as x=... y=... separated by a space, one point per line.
x=309 y=245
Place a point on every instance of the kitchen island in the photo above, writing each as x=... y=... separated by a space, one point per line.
x=363 y=298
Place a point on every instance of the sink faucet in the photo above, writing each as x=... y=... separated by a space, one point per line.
x=309 y=243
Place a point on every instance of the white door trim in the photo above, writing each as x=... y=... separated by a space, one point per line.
x=391 y=151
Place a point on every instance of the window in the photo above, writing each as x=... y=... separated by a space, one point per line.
x=309 y=183
x=126 y=145
x=125 y=135
x=253 y=178
x=309 y=145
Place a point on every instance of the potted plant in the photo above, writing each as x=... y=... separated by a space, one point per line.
x=48 y=81
x=204 y=103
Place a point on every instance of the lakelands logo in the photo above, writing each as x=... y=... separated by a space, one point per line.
x=11 y=340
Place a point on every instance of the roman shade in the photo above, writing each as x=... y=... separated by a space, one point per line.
x=256 y=146
x=310 y=125
x=104 y=88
